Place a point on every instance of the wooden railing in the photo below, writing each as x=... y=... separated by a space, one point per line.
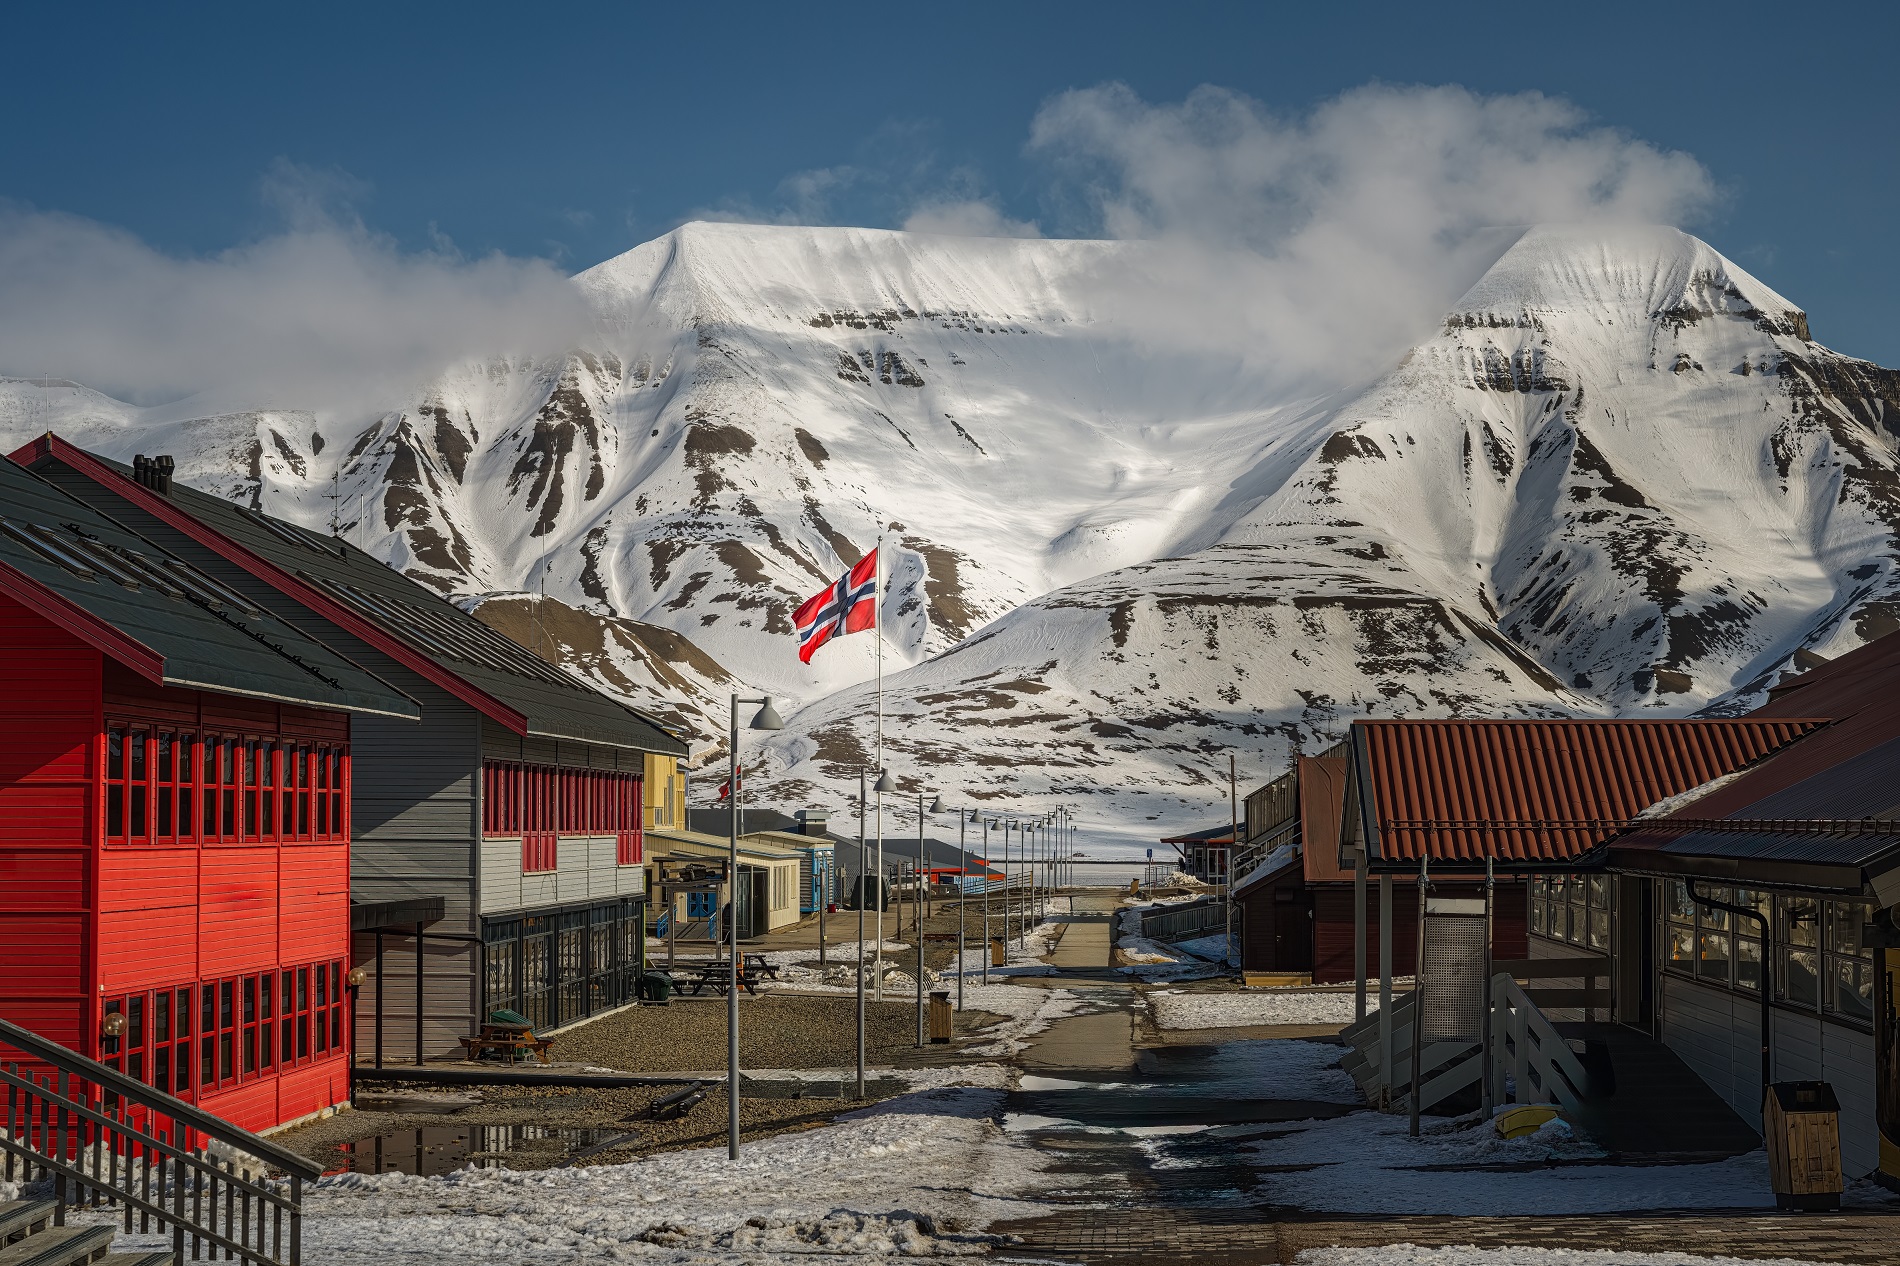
x=105 y=1140
x=1530 y=1061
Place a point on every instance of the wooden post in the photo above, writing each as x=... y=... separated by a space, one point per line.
x=1385 y=987
x=418 y=995
x=1359 y=934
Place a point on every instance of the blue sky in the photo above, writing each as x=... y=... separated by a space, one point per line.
x=572 y=132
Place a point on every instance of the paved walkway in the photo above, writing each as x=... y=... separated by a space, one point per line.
x=1087 y=939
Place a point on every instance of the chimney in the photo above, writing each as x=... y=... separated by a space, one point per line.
x=812 y=821
x=162 y=474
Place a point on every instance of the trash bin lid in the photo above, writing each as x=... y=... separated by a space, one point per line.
x=1805 y=1096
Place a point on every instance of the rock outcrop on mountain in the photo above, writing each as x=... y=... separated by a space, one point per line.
x=1619 y=478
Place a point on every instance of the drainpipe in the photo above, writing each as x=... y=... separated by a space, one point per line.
x=1767 y=970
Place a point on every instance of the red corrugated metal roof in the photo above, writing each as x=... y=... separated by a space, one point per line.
x=1459 y=791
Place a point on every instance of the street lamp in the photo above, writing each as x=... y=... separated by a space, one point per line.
x=882 y=785
x=917 y=905
x=862 y=797
x=767 y=718
x=963 y=895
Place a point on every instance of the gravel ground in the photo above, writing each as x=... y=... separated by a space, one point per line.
x=775 y=1031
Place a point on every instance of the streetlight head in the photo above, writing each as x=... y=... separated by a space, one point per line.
x=884 y=781
x=936 y=804
x=768 y=717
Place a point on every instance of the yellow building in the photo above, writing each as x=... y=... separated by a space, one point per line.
x=665 y=792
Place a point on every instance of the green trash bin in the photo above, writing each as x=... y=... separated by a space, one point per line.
x=656 y=987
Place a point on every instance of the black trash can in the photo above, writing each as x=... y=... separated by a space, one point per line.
x=656 y=987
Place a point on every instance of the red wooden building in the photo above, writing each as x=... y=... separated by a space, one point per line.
x=174 y=817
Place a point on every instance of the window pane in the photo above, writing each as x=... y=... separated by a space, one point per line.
x=1540 y=915
x=1677 y=902
x=1681 y=947
x=1714 y=959
x=1599 y=892
x=1798 y=976
x=1747 y=962
x=1853 y=989
x=1800 y=921
x=162 y=1016
x=1599 y=929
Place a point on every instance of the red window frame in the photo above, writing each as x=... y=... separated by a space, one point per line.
x=195 y=1039
x=541 y=803
x=167 y=786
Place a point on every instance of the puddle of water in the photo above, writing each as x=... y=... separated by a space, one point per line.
x=433 y=1150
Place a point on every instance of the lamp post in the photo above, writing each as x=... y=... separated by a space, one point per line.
x=882 y=785
x=767 y=718
x=963 y=894
x=936 y=806
x=986 y=897
x=862 y=797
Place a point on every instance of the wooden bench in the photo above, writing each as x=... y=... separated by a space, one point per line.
x=754 y=965
x=500 y=1037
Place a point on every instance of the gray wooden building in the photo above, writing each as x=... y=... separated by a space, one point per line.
x=496 y=850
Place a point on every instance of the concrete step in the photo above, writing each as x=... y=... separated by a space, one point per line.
x=59 y=1246
x=134 y=1259
x=17 y=1217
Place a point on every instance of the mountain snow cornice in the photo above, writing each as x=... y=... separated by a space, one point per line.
x=1619 y=478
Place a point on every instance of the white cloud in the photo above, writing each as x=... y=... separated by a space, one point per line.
x=324 y=315
x=970 y=217
x=1328 y=240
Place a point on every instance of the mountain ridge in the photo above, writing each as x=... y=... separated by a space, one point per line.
x=1617 y=477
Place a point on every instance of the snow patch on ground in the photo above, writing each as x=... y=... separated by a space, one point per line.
x=916 y=1176
x=1174 y=1009
x=1366 y=1163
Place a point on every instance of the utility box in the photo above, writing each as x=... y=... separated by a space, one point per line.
x=940 y=1020
x=1801 y=1126
x=999 y=957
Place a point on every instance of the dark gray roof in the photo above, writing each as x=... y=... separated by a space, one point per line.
x=1838 y=826
x=208 y=637
x=555 y=703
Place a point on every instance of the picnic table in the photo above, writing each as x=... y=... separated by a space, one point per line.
x=718 y=978
x=512 y=1039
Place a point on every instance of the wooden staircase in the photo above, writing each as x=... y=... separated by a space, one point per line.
x=29 y=1236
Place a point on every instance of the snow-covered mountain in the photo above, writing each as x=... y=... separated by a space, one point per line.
x=1619 y=477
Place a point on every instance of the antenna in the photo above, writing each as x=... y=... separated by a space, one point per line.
x=336 y=498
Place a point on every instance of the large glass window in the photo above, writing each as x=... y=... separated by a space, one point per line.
x=1820 y=959
x=563 y=965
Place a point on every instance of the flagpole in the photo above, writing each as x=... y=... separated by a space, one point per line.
x=877 y=632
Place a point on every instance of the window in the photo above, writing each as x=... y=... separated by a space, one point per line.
x=524 y=799
x=226 y=1032
x=1572 y=908
x=170 y=787
x=1820 y=959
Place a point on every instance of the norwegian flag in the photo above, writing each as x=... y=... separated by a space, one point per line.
x=847 y=605
x=725 y=788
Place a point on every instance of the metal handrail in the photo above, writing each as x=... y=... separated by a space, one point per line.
x=100 y=1137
